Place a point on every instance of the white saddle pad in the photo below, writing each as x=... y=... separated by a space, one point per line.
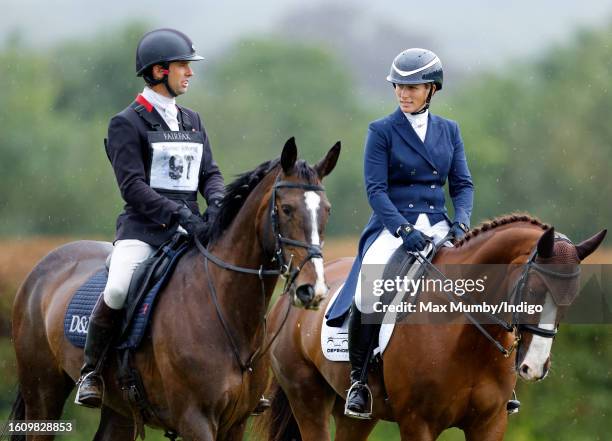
x=334 y=341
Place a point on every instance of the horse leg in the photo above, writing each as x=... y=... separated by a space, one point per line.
x=488 y=429
x=413 y=428
x=195 y=426
x=44 y=393
x=351 y=429
x=114 y=426
x=236 y=433
x=312 y=402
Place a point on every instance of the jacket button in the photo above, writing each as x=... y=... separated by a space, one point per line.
x=431 y=207
x=410 y=205
x=435 y=172
x=433 y=186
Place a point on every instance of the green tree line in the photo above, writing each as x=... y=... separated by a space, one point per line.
x=536 y=135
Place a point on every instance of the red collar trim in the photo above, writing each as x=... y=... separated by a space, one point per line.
x=142 y=100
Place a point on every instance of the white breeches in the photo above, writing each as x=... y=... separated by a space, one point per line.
x=127 y=255
x=386 y=243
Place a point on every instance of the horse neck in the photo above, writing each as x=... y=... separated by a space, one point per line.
x=244 y=298
x=505 y=244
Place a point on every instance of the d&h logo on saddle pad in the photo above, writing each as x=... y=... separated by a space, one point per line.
x=76 y=320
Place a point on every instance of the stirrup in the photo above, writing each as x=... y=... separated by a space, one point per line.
x=513 y=405
x=358 y=415
x=80 y=381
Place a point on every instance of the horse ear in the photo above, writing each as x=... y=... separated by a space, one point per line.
x=327 y=164
x=586 y=247
x=546 y=243
x=289 y=156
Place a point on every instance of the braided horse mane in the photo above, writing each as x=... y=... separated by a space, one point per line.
x=498 y=222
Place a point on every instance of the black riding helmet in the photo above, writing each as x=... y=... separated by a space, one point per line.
x=417 y=66
x=162 y=46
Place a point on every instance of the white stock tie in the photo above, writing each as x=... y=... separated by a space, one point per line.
x=170 y=115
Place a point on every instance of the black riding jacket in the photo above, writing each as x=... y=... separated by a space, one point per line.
x=149 y=216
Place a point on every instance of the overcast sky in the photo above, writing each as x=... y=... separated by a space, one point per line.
x=487 y=31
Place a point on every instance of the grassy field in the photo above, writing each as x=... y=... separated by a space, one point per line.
x=17 y=257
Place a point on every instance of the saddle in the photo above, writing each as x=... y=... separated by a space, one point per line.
x=150 y=276
x=148 y=280
x=402 y=264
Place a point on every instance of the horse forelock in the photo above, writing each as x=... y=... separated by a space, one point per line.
x=490 y=225
x=238 y=191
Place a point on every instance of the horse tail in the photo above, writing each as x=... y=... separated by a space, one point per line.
x=17 y=414
x=278 y=423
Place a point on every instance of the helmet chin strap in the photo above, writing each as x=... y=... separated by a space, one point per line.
x=166 y=73
x=164 y=80
x=426 y=106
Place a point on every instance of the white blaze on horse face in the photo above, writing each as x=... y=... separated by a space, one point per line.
x=532 y=367
x=313 y=200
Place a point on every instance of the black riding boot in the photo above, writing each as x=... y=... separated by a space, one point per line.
x=102 y=328
x=361 y=340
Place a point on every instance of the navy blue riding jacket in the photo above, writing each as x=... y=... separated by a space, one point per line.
x=404 y=177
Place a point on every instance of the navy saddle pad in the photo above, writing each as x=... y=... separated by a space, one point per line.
x=76 y=319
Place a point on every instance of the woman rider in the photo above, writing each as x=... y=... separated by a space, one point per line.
x=409 y=156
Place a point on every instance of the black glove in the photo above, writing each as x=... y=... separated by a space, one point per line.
x=413 y=239
x=458 y=230
x=212 y=210
x=192 y=223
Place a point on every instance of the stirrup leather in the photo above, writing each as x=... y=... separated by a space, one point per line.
x=353 y=414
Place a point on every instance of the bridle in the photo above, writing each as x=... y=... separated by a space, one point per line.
x=517 y=293
x=313 y=250
x=285 y=269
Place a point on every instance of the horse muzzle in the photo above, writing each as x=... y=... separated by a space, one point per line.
x=305 y=296
x=531 y=373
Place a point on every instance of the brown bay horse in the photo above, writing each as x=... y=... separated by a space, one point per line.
x=202 y=377
x=435 y=376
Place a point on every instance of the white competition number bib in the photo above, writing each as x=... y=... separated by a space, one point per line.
x=176 y=158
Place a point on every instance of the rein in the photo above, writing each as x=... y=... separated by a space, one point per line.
x=285 y=270
x=517 y=295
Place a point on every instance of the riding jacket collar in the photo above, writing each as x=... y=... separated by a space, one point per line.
x=166 y=107
x=407 y=132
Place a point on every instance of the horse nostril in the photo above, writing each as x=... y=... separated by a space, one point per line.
x=305 y=293
x=525 y=369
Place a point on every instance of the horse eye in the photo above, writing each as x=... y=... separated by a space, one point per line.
x=287 y=209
